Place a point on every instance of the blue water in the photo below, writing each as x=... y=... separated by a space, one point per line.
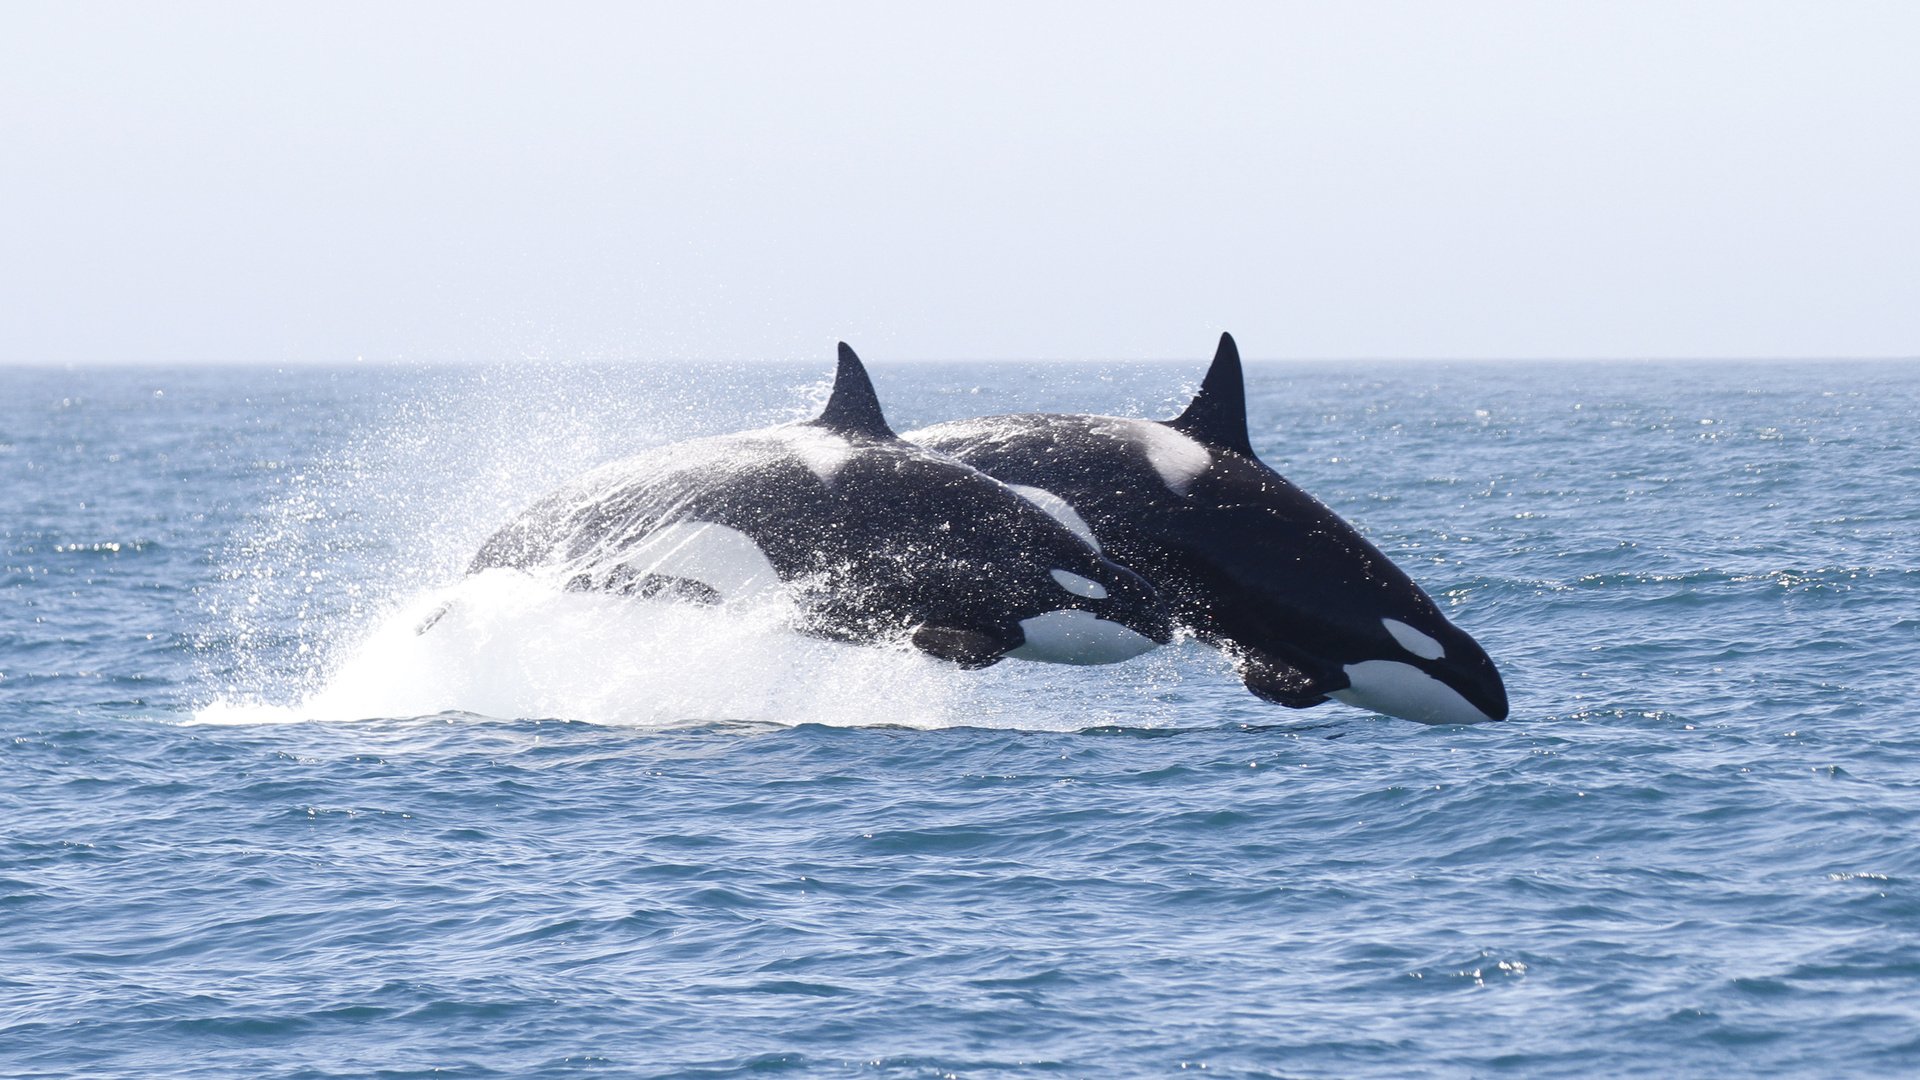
x=242 y=835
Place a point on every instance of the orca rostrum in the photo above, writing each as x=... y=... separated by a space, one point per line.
x=1306 y=607
x=868 y=537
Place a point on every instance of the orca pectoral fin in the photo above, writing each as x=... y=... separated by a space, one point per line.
x=969 y=649
x=623 y=580
x=433 y=617
x=649 y=586
x=1282 y=684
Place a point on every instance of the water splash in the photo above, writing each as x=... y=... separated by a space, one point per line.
x=508 y=644
x=323 y=592
x=367 y=520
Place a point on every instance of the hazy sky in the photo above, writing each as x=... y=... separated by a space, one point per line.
x=317 y=182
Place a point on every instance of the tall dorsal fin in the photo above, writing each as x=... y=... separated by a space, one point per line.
x=853 y=408
x=1218 y=414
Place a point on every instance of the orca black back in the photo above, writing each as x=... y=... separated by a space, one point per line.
x=1307 y=607
x=871 y=537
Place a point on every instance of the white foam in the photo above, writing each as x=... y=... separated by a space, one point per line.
x=513 y=646
x=393 y=513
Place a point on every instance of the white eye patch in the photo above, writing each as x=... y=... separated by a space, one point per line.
x=1080 y=586
x=1414 y=641
x=717 y=556
x=1060 y=510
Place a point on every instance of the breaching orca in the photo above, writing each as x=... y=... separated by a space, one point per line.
x=870 y=537
x=1307 y=608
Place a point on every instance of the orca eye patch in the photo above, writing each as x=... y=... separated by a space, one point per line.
x=1415 y=642
x=1080 y=586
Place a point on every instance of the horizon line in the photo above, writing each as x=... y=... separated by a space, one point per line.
x=404 y=361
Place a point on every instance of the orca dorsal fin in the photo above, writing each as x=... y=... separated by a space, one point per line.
x=1217 y=415
x=853 y=408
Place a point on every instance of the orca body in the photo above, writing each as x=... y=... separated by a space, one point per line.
x=1307 y=608
x=869 y=537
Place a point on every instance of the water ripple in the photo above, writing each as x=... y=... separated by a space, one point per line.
x=1687 y=854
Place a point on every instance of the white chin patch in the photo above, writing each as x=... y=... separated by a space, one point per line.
x=1415 y=642
x=1079 y=586
x=1078 y=637
x=1059 y=510
x=1388 y=686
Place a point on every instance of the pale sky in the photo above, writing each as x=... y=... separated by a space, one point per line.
x=319 y=182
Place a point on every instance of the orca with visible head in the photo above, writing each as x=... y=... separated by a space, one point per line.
x=1307 y=608
x=871 y=538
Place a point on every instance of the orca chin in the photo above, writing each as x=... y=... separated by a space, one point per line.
x=1072 y=636
x=1403 y=690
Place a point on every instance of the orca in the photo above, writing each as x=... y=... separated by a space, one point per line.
x=868 y=537
x=1307 y=609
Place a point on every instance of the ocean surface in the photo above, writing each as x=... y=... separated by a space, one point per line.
x=249 y=827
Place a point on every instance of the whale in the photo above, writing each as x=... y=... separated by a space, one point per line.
x=1306 y=607
x=863 y=536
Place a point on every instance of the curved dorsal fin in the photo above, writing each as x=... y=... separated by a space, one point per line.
x=853 y=408
x=1218 y=414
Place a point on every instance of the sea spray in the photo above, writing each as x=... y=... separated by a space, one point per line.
x=508 y=644
x=391 y=503
x=322 y=594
